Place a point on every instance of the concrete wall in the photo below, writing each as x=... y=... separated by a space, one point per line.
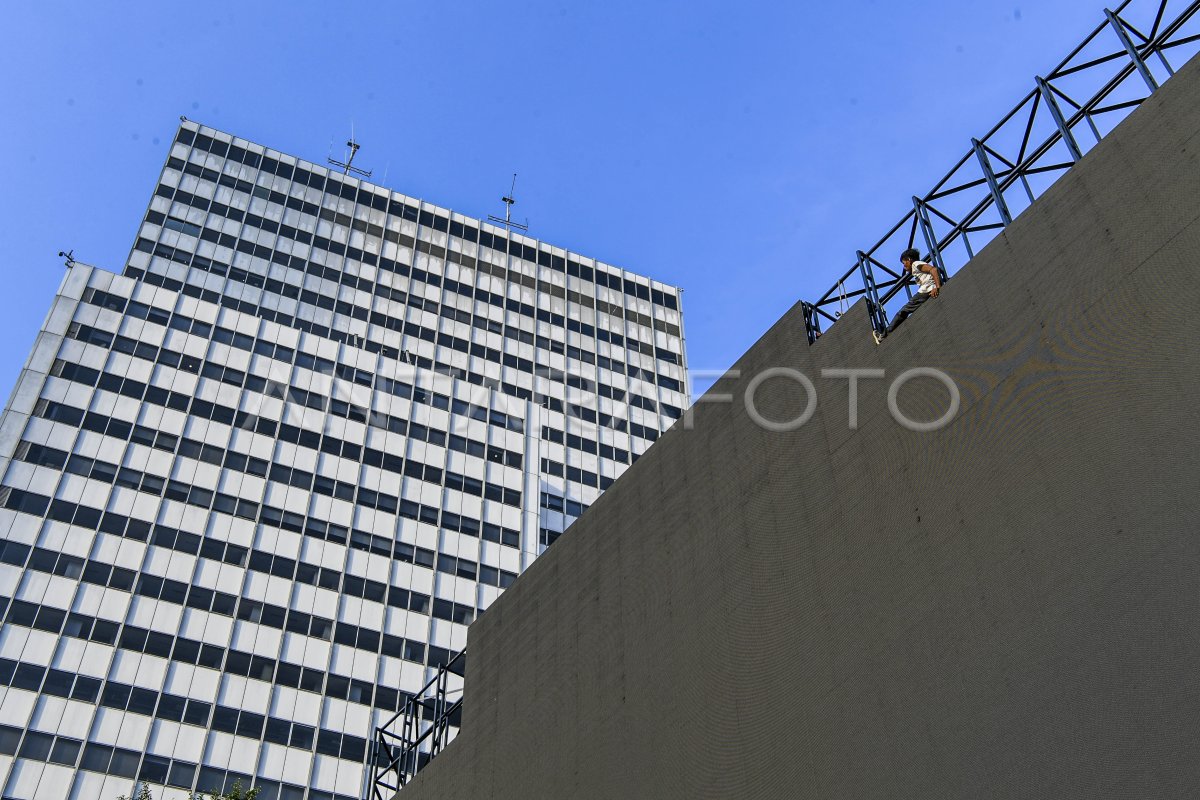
x=1009 y=607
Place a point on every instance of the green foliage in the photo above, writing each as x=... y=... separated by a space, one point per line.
x=235 y=793
x=143 y=794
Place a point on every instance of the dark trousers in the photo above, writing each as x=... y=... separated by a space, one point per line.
x=909 y=308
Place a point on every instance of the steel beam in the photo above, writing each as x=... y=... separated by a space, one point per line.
x=1123 y=35
x=1059 y=120
x=931 y=242
x=874 y=307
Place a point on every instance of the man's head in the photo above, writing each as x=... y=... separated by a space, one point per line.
x=909 y=256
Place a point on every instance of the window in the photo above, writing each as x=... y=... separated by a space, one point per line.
x=182 y=774
x=154 y=769
x=302 y=736
x=96 y=757
x=196 y=713
x=171 y=707
x=86 y=689
x=58 y=683
x=9 y=737
x=36 y=746
x=65 y=751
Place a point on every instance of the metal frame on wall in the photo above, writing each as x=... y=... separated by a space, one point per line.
x=416 y=733
x=1021 y=156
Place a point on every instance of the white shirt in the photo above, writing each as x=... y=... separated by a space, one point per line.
x=924 y=279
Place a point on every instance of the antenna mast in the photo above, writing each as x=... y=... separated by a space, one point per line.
x=346 y=165
x=509 y=201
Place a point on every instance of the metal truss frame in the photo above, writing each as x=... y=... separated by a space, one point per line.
x=416 y=733
x=1005 y=170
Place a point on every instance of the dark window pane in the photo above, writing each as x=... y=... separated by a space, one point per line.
x=250 y=725
x=277 y=730
x=116 y=695
x=211 y=655
x=158 y=644
x=311 y=680
x=211 y=779
x=329 y=743
x=65 y=751
x=96 y=757
x=302 y=736
x=9 y=737
x=86 y=689
x=58 y=683
x=154 y=769
x=197 y=713
x=36 y=745
x=337 y=686
x=225 y=719
x=186 y=650
x=124 y=763
x=287 y=674
x=28 y=676
x=171 y=707
x=142 y=701
x=182 y=774
x=105 y=631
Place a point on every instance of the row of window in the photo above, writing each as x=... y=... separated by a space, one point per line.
x=204 y=409
x=246 y=307
x=280 y=566
x=254 y=224
x=409 y=328
x=190 y=651
x=53 y=620
x=119 y=761
x=255 y=383
x=265 y=348
x=349 y=191
x=329 y=302
x=571 y=508
x=235 y=461
x=576 y=474
x=326 y=443
x=147 y=702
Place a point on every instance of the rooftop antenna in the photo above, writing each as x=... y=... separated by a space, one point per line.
x=346 y=165
x=509 y=202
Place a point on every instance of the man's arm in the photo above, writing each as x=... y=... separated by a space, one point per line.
x=930 y=269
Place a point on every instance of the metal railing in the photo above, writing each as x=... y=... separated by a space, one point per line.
x=1004 y=171
x=412 y=737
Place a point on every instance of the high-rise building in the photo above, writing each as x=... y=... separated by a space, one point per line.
x=255 y=488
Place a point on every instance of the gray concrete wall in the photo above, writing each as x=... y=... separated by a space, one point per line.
x=1009 y=607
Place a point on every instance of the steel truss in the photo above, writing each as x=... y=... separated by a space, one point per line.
x=1022 y=155
x=416 y=733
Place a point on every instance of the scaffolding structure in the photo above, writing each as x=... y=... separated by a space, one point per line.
x=1120 y=64
x=416 y=733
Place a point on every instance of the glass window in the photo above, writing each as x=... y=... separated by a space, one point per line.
x=181 y=774
x=302 y=736
x=9 y=737
x=96 y=757
x=154 y=769
x=36 y=746
x=65 y=751
x=124 y=763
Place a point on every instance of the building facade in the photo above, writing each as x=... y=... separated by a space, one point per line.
x=255 y=488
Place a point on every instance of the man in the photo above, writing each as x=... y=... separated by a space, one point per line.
x=929 y=282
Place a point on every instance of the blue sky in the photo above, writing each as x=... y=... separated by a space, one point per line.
x=742 y=151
